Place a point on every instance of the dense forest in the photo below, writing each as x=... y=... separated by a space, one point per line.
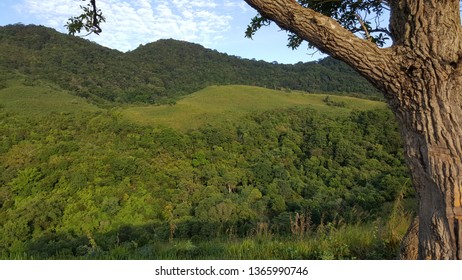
x=81 y=180
x=77 y=184
x=158 y=72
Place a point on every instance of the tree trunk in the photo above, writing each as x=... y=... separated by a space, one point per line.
x=410 y=244
x=430 y=118
x=421 y=78
x=426 y=98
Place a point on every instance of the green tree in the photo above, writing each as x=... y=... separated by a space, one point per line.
x=26 y=182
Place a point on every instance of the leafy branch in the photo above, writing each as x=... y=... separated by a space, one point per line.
x=90 y=20
x=359 y=17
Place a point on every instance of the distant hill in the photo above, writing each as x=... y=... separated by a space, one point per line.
x=159 y=71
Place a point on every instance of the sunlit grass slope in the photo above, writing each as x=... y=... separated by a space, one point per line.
x=212 y=105
x=217 y=104
x=39 y=99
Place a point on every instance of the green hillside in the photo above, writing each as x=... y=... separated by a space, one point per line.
x=218 y=104
x=158 y=72
x=25 y=97
x=214 y=105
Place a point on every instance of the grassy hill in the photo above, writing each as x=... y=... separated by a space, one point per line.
x=210 y=106
x=37 y=99
x=218 y=104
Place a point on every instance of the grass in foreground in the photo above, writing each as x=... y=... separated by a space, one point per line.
x=329 y=242
x=377 y=240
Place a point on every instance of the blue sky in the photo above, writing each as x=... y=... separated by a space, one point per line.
x=215 y=24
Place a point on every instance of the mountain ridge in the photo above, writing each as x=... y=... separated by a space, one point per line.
x=157 y=72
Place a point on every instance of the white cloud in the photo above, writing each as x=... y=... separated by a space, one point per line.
x=130 y=23
x=233 y=4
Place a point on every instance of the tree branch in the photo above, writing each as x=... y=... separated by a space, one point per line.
x=95 y=22
x=363 y=26
x=329 y=36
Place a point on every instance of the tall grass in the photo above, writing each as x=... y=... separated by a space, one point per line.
x=338 y=240
x=332 y=241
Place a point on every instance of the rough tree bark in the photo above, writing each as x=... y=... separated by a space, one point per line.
x=421 y=78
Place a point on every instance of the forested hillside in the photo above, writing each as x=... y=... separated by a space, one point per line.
x=158 y=72
x=77 y=181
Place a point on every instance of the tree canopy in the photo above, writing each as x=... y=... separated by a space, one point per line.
x=77 y=181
